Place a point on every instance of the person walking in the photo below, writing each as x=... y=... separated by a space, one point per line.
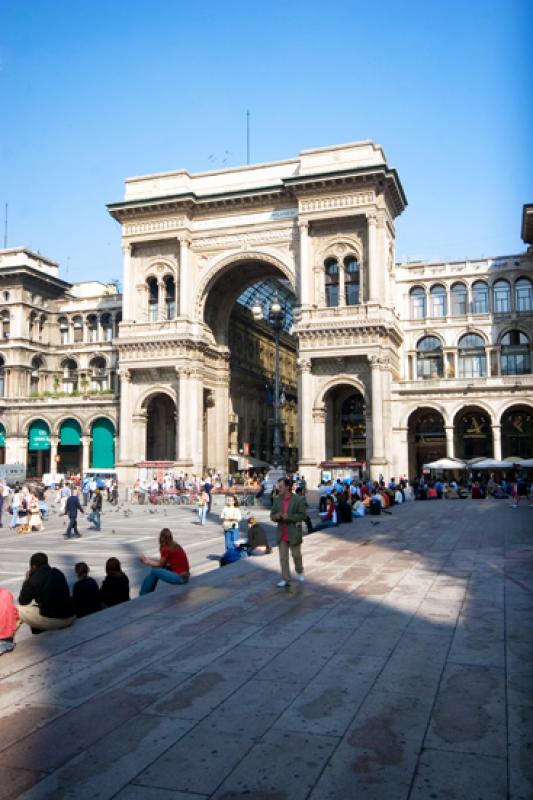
x=96 y=510
x=72 y=506
x=171 y=567
x=289 y=512
x=231 y=517
x=203 y=506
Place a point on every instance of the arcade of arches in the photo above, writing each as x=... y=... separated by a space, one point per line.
x=472 y=435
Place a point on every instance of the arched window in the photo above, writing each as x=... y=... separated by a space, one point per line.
x=418 y=303
x=32 y=326
x=480 y=298
x=64 y=332
x=107 y=327
x=515 y=357
x=472 y=358
x=523 y=294
x=70 y=375
x=153 y=299
x=2 y=377
x=351 y=281
x=5 y=296
x=77 y=323
x=170 y=297
x=501 y=297
x=92 y=328
x=118 y=320
x=459 y=300
x=42 y=323
x=429 y=361
x=438 y=301
x=332 y=282
x=99 y=374
x=36 y=366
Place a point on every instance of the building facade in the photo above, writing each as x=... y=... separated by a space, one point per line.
x=382 y=363
x=58 y=367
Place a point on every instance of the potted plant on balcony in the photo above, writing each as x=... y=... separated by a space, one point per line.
x=84 y=385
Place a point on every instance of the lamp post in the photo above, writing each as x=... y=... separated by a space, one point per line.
x=275 y=319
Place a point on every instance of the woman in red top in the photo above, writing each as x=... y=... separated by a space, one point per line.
x=172 y=567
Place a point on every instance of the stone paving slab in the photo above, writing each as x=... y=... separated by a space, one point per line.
x=400 y=670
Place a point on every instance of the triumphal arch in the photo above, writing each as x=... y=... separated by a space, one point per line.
x=322 y=226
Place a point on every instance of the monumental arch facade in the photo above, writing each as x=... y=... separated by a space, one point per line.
x=390 y=364
x=323 y=225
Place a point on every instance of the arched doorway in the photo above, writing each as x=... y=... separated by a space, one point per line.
x=2 y=444
x=517 y=432
x=238 y=424
x=473 y=433
x=102 y=444
x=69 y=448
x=345 y=424
x=426 y=436
x=160 y=428
x=38 y=458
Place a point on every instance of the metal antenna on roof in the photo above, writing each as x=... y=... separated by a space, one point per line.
x=5 y=225
x=248 y=137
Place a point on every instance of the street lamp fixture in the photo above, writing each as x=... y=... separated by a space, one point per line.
x=275 y=319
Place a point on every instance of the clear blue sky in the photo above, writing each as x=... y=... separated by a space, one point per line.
x=93 y=91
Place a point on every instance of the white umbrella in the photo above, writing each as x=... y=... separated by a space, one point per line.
x=491 y=463
x=526 y=462
x=446 y=463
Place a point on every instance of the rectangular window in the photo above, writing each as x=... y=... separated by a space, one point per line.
x=523 y=299
x=78 y=334
x=472 y=366
x=153 y=312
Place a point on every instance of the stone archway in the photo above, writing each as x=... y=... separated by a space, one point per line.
x=238 y=390
x=517 y=432
x=160 y=428
x=346 y=428
x=426 y=439
x=473 y=433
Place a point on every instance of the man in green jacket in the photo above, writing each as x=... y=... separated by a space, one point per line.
x=288 y=510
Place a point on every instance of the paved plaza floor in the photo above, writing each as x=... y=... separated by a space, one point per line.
x=401 y=668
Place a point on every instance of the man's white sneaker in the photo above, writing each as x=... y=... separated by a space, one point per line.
x=301 y=577
x=282 y=584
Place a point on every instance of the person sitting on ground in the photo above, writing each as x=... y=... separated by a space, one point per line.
x=115 y=587
x=8 y=621
x=328 y=517
x=171 y=567
x=257 y=544
x=344 y=509
x=358 y=509
x=85 y=592
x=44 y=600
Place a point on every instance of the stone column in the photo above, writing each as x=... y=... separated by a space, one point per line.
x=371 y=259
x=450 y=445
x=220 y=441
x=308 y=450
x=184 y=282
x=54 y=441
x=161 y=315
x=497 y=442
x=126 y=413
x=383 y=285
x=127 y=287
x=377 y=460
x=306 y=275
x=86 y=449
x=137 y=438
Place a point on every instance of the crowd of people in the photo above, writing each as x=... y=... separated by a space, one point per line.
x=29 y=505
x=46 y=602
